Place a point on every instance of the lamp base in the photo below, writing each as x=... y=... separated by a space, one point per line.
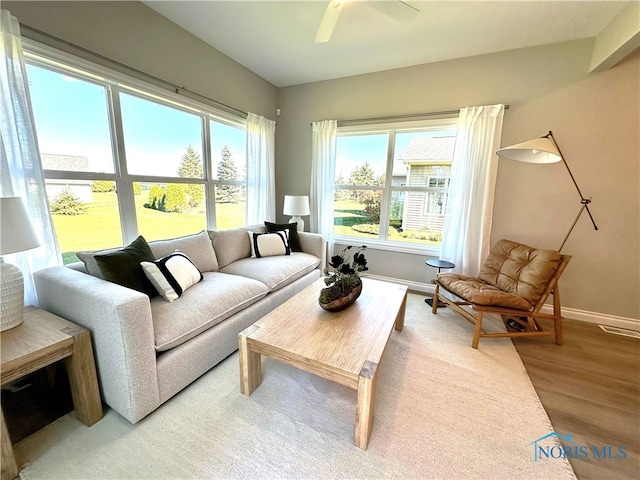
x=299 y=221
x=11 y=296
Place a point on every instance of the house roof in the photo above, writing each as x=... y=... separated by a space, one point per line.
x=54 y=161
x=429 y=149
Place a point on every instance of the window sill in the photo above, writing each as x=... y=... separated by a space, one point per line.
x=374 y=244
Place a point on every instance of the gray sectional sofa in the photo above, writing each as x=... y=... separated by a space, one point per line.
x=148 y=349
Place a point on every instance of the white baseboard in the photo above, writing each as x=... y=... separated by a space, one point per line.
x=598 y=318
x=573 y=313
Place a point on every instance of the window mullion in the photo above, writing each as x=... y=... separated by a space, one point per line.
x=210 y=188
x=126 y=197
x=386 y=193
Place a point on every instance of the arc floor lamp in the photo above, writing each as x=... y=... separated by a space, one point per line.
x=546 y=150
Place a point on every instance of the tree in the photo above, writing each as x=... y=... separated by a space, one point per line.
x=191 y=167
x=227 y=171
x=101 y=186
x=371 y=199
x=175 y=198
x=67 y=203
x=341 y=194
x=156 y=197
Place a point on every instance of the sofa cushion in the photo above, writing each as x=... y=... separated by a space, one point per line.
x=292 y=233
x=232 y=245
x=518 y=269
x=274 y=272
x=215 y=298
x=268 y=244
x=197 y=247
x=88 y=257
x=172 y=275
x=476 y=291
x=123 y=266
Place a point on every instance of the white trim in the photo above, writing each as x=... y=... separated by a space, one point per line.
x=446 y=123
x=387 y=246
x=597 y=318
x=569 y=313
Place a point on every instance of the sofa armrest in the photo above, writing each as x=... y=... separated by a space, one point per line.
x=314 y=244
x=121 y=329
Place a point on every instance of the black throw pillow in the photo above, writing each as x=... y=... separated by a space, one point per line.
x=123 y=266
x=291 y=228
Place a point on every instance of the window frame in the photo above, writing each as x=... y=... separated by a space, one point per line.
x=445 y=123
x=115 y=82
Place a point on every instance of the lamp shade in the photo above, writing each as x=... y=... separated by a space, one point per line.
x=539 y=150
x=16 y=232
x=296 y=205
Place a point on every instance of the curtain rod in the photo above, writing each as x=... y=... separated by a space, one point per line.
x=56 y=42
x=409 y=116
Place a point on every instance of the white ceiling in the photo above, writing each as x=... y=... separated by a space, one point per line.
x=275 y=39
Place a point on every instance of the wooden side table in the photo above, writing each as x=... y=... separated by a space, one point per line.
x=42 y=339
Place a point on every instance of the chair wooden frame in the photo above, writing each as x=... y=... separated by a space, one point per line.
x=526 y=318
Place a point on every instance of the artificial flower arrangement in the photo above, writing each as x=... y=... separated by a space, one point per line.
x=344 y=277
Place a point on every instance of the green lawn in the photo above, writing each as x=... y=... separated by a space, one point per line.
x=100 y=228
x=348 y=214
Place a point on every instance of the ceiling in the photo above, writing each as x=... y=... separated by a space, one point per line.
x=275 y=39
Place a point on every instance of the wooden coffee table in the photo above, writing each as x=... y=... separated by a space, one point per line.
x=344 y=347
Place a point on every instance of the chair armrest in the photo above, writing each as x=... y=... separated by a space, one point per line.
x=121 y=329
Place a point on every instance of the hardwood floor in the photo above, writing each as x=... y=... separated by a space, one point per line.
x=590 y=387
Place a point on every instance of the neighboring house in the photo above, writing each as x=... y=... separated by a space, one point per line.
x=81 y=188
x=426 y=161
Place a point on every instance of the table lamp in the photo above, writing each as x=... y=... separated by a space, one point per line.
x=16 y=235
x=546 y=150
x=296 y=206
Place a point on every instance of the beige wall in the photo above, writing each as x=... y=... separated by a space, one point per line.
x=135 y=35
x=594 y=118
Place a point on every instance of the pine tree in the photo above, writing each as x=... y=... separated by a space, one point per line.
x=191 y=167
x=190 y=164
x=227 y=171
x=67 y=203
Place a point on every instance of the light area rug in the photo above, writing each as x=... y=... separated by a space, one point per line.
x=443 y=410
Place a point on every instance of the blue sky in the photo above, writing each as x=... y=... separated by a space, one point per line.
x=72 y=119
x=355 y=150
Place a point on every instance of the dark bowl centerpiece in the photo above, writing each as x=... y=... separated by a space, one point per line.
x=343 y=282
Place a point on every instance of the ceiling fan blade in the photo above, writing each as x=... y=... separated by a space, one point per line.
x=329 y=21
x=400 y=10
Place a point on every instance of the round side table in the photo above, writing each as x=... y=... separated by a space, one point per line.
x=439 y=264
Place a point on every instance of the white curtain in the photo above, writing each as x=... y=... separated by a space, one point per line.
x=323 y=167
x=20 y=166
x=467 y=228
x=261 y=180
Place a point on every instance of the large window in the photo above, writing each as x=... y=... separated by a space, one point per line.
x=392 y=183
x=123 y=158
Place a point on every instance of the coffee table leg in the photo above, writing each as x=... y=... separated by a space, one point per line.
x=366 y=403
x=250 y=363
x=401 y=312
